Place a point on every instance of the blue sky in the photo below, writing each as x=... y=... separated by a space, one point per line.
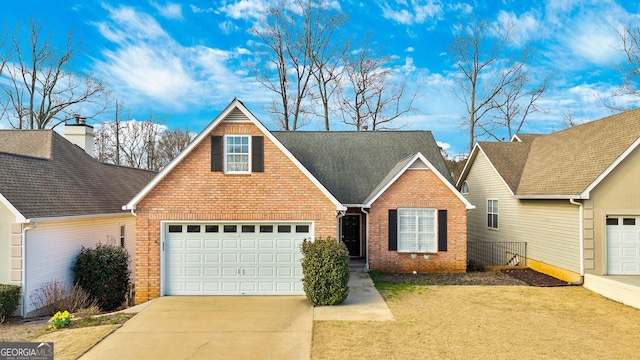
x=185 y=61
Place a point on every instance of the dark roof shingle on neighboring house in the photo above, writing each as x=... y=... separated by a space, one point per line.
x=352 y=164
x=44 y=175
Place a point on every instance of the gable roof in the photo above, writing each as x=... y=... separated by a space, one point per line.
x=44 y=175
x=235 y=111
x=567 y=163
x=415 y=161
x=352 y=164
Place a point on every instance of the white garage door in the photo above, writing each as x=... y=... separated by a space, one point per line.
x=234 y=258
x=623 y=245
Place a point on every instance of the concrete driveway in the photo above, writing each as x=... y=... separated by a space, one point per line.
x=214 y=327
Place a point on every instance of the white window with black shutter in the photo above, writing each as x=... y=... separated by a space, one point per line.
x=418 y=230
x=237 y=154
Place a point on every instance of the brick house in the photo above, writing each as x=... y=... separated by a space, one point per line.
x=227 y=216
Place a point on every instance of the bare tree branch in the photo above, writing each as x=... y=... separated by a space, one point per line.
x=41 y=91
x=486 y=73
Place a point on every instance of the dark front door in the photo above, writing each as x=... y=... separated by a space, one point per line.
x=351 y=234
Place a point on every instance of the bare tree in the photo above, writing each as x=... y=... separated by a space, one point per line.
x=170 y=144
x=108 y=137
x=515 y=102
x=298 y=43
x=620 y=97
x=370 y=99
x=485 y=71
x=41 y=90
x=328 y=55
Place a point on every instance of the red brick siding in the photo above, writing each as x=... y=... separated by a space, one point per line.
x=192 y=192
x=418 y=189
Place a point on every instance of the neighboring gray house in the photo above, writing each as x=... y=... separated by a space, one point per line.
x=573 y=196
x=54 y=199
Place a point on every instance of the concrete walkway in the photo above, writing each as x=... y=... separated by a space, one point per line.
x=364 y=302
x=214 y=327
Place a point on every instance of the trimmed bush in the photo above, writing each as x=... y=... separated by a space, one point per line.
x=9 y=300
x=325 y=270
x=104 y=273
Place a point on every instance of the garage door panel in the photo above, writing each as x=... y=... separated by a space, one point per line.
x=192 y=258
x=230 y=244
x=266 y=258
x=623 y=245
x=251 y=258
x=212 y=244
x=212 y=258
x=248 y=258
x=193 y=271
x=248 y=244
x=230 y=258
x=266 y=243
x=194 y=243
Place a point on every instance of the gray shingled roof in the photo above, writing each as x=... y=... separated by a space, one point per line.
x=44 y=175
x=352 y=164
x=567 y=162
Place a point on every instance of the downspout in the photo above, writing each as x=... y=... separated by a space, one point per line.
x=24 y=267
x=339 y=215
x=366 y=241
x=581 y=221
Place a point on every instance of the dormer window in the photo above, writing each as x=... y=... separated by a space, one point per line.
x=236 y=154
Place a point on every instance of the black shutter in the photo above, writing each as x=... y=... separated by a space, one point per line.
x=442 y=230
x=393 y=230
x=257 y=153
x=216 y=153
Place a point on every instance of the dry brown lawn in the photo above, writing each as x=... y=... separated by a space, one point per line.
x=488 y=322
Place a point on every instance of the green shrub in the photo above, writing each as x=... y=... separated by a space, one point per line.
x=325 y=270
x=104 y=273
x=9 y=300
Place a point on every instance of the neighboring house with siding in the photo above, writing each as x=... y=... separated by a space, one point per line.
x=573 y=196
x=54 y=199
x=227 y=216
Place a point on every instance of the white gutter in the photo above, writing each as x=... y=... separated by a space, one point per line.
x=24 y=268
x=366 y=242
x=78 y=217
x=581 y=220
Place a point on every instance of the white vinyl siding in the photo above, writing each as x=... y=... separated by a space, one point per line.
x=6 y=219
x=551 y=228
x=417 y=230
x=52 y=247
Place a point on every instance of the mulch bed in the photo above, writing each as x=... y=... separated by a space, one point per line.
x=534 y=278
x=506 y=277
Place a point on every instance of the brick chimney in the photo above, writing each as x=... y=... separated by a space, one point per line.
x=80 y=133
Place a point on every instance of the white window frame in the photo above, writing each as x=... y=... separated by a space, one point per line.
x=417 y=236
x=227 y=154
x=123 y=235
x=464 y=189
x=494 y=223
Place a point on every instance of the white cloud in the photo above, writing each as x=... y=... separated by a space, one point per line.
x=244 y=9
x=525 y=26
x=145 y=64
x=199 y=10
x=444 y=146
x=410 y=49
x=169 y=10
x=413 y=12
